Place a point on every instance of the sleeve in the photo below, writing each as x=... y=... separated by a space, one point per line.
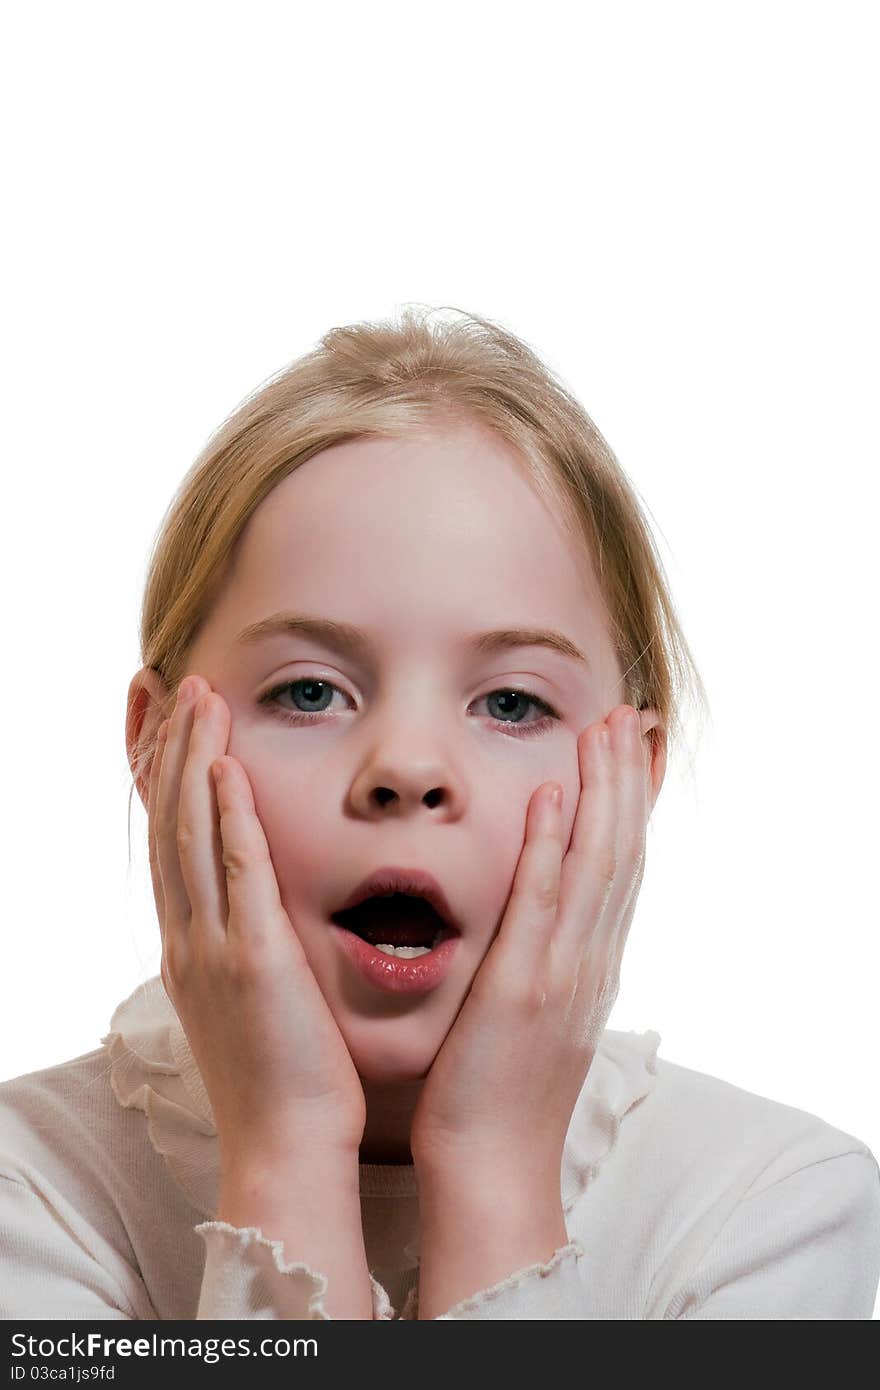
x=806 y=1247
x=246 y=1277
x=53 y=1264
x=547 y=1292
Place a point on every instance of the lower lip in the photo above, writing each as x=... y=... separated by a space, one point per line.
x=396 y=974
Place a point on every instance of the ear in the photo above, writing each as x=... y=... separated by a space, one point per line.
x=654 y=733
x=149 y=703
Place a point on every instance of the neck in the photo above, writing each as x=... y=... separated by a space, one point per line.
x=390 y=1110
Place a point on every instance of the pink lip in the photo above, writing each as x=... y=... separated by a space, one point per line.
x=396 y=974
x=396 y=880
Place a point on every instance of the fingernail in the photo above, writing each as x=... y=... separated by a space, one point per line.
x=556 y=797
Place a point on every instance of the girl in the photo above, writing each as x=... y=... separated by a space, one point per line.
x=410 y=676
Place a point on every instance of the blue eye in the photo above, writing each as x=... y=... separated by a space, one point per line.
x=508 y=693
x=317 y=692
x=312 y=692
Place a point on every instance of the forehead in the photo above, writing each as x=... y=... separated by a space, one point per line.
x=439 y=525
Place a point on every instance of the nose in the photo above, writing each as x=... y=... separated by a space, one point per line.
x=400 y=785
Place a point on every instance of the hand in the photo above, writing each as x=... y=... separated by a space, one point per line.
x=499 y=1097
x=274 y=1063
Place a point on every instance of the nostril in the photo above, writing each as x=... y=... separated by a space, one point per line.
x=384 y=794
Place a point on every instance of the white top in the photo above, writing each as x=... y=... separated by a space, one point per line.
x=684 y=1197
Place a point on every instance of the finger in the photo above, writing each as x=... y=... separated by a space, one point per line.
x=589 y=867
x=530 y=915
x=177 y=902
x=255 y=909
x=199 y=843
x=631 y=796
x=152 y=798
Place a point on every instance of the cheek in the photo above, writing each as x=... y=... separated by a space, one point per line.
x=500 y=822
x=510 y=794
x=296 y=824
x=503 y=817
x=559 y=763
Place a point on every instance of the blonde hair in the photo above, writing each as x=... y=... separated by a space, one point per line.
x=392 y=377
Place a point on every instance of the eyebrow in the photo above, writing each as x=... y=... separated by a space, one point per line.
x=345 y=638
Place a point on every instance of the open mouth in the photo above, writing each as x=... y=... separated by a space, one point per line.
x=399 y=924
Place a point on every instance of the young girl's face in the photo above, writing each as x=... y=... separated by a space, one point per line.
x=417 y=755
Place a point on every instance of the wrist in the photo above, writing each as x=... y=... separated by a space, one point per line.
x=310 y=1191
x=486 y=1201
x=308 y=1199
x=476 y=1175
x=479 y=1229
x=259 y=1165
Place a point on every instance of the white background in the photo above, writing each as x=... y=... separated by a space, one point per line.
x=676 y=206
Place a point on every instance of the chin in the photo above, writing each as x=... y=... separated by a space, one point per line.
x=384 y=1060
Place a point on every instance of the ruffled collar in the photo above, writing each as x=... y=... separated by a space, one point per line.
x=152 y=1069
